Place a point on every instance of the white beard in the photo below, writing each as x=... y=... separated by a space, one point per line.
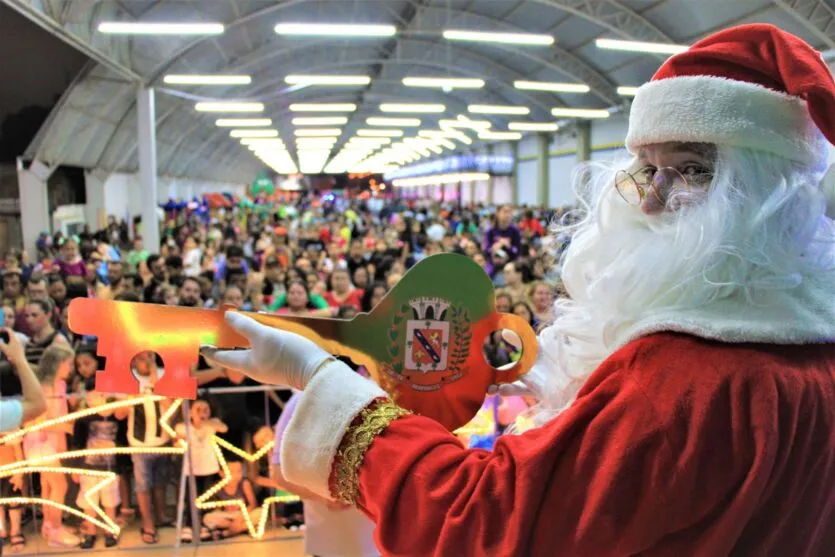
x=623 y=266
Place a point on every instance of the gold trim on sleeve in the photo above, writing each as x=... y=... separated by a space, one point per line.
x=370 y=423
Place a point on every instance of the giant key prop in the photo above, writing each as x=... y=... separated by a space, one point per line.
x=422 y=343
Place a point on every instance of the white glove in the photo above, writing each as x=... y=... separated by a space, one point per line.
x=276 y=357
x=532 y=383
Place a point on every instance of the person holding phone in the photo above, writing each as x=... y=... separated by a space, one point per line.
x=14 y=411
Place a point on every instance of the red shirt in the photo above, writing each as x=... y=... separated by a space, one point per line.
x=534 y=225
x=675 y=446
x=353 y=299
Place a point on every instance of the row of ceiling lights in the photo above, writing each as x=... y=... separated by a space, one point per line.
x=315 y=145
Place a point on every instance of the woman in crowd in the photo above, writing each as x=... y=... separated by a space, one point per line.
x=341 y=291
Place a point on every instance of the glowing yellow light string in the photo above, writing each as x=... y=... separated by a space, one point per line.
x=102 y=520
x=203 y=503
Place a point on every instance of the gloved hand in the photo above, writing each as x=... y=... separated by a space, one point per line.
x=275 y=358
x=532 y=383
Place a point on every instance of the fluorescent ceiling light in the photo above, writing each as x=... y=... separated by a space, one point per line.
x=141 y=28
x=318 y=132
x=327 y=79
x=626 y=91
x=497 y=109
x=638 y=46
x=335 y=30
x=444 y=82
x=253 y=133
x=412 y=107
x=441 y=179
x=465 y=123
x=242 y=122
x=449 y=133
x=399 y=122
x=229 y=107
x=320 y=121
x=323 y=107
x=500 y=136
x=533 y=126
x=196 y=79
x=503 y=38
x=368 y=141
x=580 y=112
x=380 y=133
x=552 y=86
x=257 y=142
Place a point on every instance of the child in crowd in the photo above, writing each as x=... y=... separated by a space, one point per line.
x=228 y=521
x=150 y=470
x=202 y=461
x=11 y=486
x=53 y=371
x=86 y=366
x=97 y=431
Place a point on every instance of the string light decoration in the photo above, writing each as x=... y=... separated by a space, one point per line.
x=203 y=503
x=31 y=466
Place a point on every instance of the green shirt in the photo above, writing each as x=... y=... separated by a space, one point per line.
x=134 y=258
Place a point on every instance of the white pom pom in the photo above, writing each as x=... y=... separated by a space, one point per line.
x=828 y=188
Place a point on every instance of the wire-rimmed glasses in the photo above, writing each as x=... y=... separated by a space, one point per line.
x=634 y=186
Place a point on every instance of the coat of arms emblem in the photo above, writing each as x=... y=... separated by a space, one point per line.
x=427 y=335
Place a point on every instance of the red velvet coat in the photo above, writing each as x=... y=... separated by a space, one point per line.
x=675 y=446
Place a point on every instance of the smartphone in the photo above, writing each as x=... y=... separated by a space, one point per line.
x=2 y=318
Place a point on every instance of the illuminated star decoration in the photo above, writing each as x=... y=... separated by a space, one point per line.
x=203 y=502
x=43 y=464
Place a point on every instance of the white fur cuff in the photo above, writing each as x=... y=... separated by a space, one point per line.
x=706 y=109
x=331 y=401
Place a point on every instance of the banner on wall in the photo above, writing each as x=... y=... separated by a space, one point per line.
x=496 y=165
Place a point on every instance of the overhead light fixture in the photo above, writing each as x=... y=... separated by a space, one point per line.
x=448 y=133
x=444 y=82
x=580 y=112
x=318 y=132
x=398 y=122
x=242 y=122
x=441 y=179
x=500 y=136
x=412 y=107
x=335 y=30
x=258 y=142
x=528 y=39
x=639 y=46
x=320 y=121
x=369 y=141
x=160 y=28
x=229 y=107
x=627 y=91
x=327 y=79
x=498 y=109
x=253 y=133
x=380 y=133
x=196 y=79
x=323 y=107
x=553 y=86
x=533 y=126
x=477 y=125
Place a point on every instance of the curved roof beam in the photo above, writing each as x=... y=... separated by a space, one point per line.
x=219 y=137
x=611 y=15
x=563 y=61
x=815 y=15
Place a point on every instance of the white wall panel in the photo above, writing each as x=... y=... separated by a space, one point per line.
x=502 y=190
x=560 y=189
x=526 y=182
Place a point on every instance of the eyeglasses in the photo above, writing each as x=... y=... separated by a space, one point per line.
x=663 y=182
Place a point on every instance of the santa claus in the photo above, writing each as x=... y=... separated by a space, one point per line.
x=687 y=390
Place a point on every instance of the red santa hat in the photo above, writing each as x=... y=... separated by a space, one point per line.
x=752 y=86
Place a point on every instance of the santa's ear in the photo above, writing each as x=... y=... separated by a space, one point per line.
x=828 y=188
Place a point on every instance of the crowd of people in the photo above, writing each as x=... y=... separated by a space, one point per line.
x=324 y=256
